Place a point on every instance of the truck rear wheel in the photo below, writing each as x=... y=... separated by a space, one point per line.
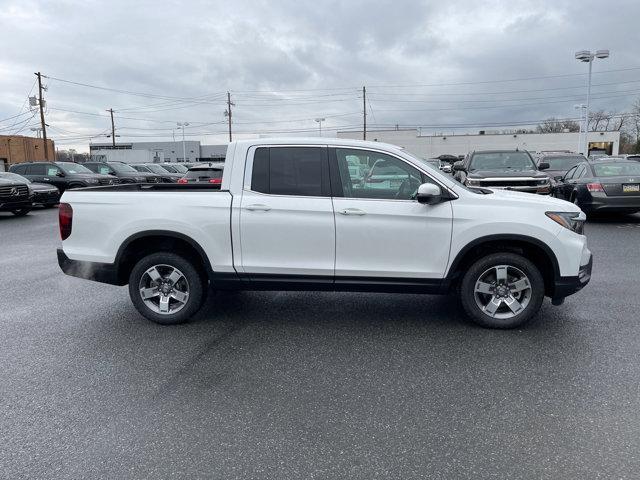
x=166 y=288
x=502 y=290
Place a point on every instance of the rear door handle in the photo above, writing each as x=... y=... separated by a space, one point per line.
x=258 y=207
x=45 y=178
x=352 y=211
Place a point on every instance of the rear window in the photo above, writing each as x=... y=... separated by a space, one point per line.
x=204 y=173
x=616 y=169
x=290 y=171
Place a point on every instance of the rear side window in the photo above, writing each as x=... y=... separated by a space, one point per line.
x=38 y=169
x=301 y=171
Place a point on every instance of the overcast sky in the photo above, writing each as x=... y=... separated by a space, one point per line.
x=438 y=64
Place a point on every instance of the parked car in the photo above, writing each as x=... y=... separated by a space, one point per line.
x=208 y=172
x=63 y=175
x=15 y=195
x=123 y=171
x=504 y=169
x=43 y=194
x=602 y=186
x=175 y=167
x=290 y=218
x=559 y=163
x=165 y=175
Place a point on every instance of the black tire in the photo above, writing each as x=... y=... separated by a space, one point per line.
x=533 y=296
x=195 y=286
x=21 y=212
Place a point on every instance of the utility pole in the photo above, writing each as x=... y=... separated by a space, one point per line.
x=44 y=125
x=113 y=129
x=227 y=113
x=364 y=112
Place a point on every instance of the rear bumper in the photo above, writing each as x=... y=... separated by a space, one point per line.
x=565 y=286
x=98 y=272
x=610 y=204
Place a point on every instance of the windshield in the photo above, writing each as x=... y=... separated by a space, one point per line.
x=616 y=169
x=505 y=161
x=157 y=169
x=564 y=162
x=72 y=168
x=13 y=176
x=122 y=168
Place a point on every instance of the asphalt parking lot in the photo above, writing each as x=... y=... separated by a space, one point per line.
x=314 y=385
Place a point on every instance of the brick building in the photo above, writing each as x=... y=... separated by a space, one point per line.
x=19 y=148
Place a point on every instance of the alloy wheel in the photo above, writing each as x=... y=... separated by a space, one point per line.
x=164 y=289
x=502 y=291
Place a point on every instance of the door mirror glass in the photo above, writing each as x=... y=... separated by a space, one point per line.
x=428 y=193
x=543 y=166
x=458 y=166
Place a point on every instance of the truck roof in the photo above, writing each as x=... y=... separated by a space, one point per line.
x=314 y=141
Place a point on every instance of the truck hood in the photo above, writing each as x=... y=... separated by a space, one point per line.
x=532 y=200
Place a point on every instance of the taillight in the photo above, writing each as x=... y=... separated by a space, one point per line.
x=65 y=219
x=595 y=187
x=217 y=181
x=183 y=180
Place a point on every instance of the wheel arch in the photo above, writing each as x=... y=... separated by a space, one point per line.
x=529 y=247
x=150 y=241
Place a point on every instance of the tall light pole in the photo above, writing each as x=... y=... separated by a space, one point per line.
x=320 y=120
x=580 y=107
x=587 y=56
x=184 y=151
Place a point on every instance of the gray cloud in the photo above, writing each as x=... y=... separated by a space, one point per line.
x=293 y=48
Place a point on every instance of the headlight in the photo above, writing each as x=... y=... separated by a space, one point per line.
x=543 y=182
x=473 y=183
x=574 y=221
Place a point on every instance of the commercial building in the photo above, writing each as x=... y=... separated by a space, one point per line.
x=19 y=149
x=139 y=152
x=430 y=146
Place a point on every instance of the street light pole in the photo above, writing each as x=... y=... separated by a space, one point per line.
x=184 y=151
x=320 y=120
x=587 y=56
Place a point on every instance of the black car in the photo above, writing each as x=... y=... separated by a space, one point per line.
x=505 y=169
x=165 y=175
x=559 y=163
x=42 y=194
x=15 y=196
x=602 y=186
x=205 y=173
x=64 y=175
x=123 y=171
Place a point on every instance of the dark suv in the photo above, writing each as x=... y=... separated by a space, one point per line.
x=505 y=169
x=15 y=196
x=124 y=172
x=64 y=175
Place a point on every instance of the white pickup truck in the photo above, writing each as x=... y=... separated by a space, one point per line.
x=313 y=214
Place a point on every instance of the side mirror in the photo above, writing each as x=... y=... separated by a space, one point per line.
x=428 y=194
x=59 y=174
x=446 y=169
x=459 y=166
x=543 y=166
x=558 y=178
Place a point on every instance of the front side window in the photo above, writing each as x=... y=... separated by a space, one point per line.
x=289 y=171
x=369 y=174
x=570 y=173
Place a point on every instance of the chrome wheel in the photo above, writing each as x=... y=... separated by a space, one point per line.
x=502 y=291
x=164 y=289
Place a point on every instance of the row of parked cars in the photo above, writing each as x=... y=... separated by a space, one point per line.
x=43 y=183
x=597 y=185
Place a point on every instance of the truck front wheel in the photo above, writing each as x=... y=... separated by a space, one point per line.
x=502 y=290
x=166 y=288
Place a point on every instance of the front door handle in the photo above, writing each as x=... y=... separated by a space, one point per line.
x=258 y=207
x=45 y=178
x=352 y=211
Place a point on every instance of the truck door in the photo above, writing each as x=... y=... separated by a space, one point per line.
x=287 y=231
x=382 y=233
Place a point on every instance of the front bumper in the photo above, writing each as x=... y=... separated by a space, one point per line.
x=8 y=206
x=98 y=272
x=565 y=286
